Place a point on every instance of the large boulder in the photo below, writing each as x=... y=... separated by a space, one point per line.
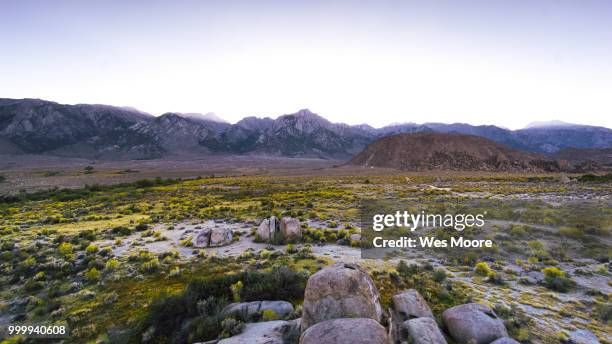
x=208 y=237
x=345 y=331
x=340 y=291
x=251 y=310
x=290 y=229
x=407 y=305
x=268 y=229
x=269 y=332
x=276 y=231
x=473 y=323
x=220 y=237
x=423 y=331
x=202 y=239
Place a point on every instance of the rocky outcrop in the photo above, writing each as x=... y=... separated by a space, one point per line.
x=423 y=331
x=405 y=306
x=340 y=291
x=341 y=306
x=213 y=237
x=252 y=310
x=269 y=332
x=473 y=323
x=275 y=231
x=345 y=331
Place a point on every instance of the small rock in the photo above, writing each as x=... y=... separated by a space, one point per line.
x=473 y=322
x=424 y=331
x=355 y=237
x=345 y=331
x=505 y=340
x=341 y=290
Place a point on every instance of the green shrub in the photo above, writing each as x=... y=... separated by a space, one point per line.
x=236 y=288
x=439 y=275
x=556 y=279
x=111 y=264
x=91 y=248
x=231 y=327
x=151 y=265
x=404 y=270
x=121 y=230
x=92 y=275
x=269 y=315
x=193 y=315
x=571 y=232
x=482 y=269
x=65 y=249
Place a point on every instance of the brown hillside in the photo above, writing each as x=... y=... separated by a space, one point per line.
x=437 y=151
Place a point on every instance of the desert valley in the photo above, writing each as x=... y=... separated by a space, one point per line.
x=129 y=228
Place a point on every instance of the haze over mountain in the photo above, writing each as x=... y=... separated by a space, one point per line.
x=99 y=131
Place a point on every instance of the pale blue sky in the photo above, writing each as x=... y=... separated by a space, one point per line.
x=482 y=62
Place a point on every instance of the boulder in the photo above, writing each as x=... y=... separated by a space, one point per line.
x=345 y=331
x=340 y=291
x=475 y=323
x=212 y=237
x=405 y=306
x=290 y=229
x=268 y=229
x=251 y=310
x=423 y=331
x=202 y=239
x=220 y=237
x=505 y=340
x=269 y=332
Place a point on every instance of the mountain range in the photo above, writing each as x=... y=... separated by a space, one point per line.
x=34 y=126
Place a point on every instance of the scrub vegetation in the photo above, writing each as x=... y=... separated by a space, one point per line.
x=116 y=263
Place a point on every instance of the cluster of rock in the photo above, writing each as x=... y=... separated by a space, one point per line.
x=211 y=237
x=342 y=306
x=275 y=231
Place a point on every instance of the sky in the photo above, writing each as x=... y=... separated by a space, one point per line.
x=506 y=63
